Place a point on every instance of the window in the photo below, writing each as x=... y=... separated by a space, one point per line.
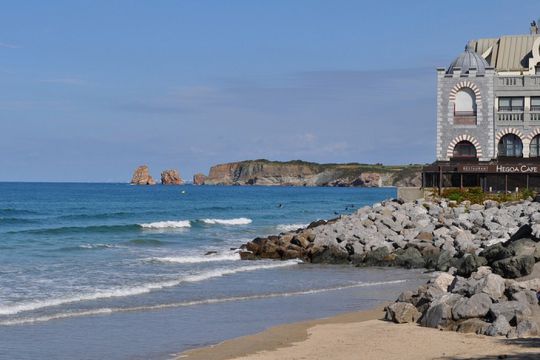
x=464 y=149
x=534 y=148
x=510 y=145
x=465 y=103
x=535 y=104
x=511 y=104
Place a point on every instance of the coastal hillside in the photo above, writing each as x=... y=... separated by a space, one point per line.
x=302 y=173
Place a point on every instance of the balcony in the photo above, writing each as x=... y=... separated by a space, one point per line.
x=465 y=118
x=512 y=116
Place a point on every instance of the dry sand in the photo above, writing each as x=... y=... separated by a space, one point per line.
x=361 y=335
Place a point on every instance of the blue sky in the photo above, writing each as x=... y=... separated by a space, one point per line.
x=91 y=89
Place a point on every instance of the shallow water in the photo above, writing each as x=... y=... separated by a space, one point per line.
x=116 y=271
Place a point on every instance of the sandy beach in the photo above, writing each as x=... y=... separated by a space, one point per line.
x=363 y=335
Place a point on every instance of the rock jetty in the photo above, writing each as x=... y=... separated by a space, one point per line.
x=484 y=303
x=435 y=235
x=141 y=176
x=171 y=177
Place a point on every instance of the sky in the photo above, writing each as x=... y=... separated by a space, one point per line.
x=89 y=90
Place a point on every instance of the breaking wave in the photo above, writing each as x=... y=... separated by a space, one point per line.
x=167 y=224
x=137 y=289
x=196 y=259
x=102 y=311
x=237 y=221
x=290 y=227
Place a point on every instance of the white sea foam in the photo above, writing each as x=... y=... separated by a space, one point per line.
x=237 y=221
x=138 y=289
x=196 y=259
x=167 y=224
x=290 y=227
x=102 y=311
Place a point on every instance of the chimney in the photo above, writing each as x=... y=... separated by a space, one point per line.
x=534 y=28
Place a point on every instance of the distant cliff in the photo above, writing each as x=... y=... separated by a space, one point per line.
x=301 y=173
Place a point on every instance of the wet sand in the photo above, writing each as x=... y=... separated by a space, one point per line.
x=362 y=335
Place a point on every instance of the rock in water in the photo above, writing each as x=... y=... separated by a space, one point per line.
x=171 y=177
x=141 y=176
x=199 y=179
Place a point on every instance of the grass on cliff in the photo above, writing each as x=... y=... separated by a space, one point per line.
x=478 y=196
x=351 y=169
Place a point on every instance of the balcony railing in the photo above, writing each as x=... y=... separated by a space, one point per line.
x=465 y=117
x=534 y=116
x=510 y=116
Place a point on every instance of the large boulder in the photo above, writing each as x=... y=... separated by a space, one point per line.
x=492 y=285
x=475 y=326
x=329 y=254
x=527 y=328
x=496 y=252
x=514 y=267
x=500 y=327
x=141 y=176
x=402 y=312
x=510 y=310
x=476 y=306
x=469 y=263
x=171 y=177
x=439 y=313
x=522 y=247
x=409 y=258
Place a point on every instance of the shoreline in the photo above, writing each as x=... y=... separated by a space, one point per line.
x=347 y=335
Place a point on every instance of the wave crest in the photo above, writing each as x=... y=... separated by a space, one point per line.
x=236 y=221
x=196 y=259
x=167 y=224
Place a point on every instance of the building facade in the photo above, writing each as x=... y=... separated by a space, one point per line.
x=488 y=116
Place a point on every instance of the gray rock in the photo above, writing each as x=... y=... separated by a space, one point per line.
x=522 y=247
x=500 y=327
x=439 y=313
x=526 y=297
x=469 y=263
x=402 y=312
x=496 y=252
x=514 y=267
x=409 y=258
x=443 y=281
x=475 y=326
x=492 y=285
x=445 y=261
x=477 y=305
x=510 y=310
x=527 y=328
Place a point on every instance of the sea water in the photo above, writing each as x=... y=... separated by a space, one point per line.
x=113 y=271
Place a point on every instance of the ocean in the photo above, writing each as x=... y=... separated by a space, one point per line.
x=113 y=271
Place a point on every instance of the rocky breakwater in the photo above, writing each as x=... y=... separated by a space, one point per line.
x=141 y=176
x=484 y=303
x=171 y=177
x=302 y=173
x=422 y=234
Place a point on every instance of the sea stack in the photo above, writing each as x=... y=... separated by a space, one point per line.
x=199 y=179
x=171 y=177
x=141 y=176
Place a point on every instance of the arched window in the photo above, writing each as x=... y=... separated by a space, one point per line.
x=465 y=107
x=465 y=103
x=510 y=145
x=464 y=149
x=534 y=148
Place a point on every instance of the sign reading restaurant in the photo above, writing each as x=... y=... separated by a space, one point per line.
x=506 y=169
